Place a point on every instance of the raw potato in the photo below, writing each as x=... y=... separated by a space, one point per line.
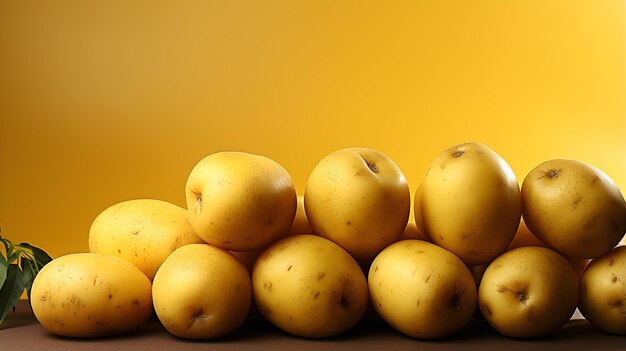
x=88 y=295
x=309 y=286
x=240 y=201
x=143 y=231
x=201 y=292
x=603 y=292
x=528 y=292
x=421 y=289
x=359 y=199
x=470 y=203
x=573 y=207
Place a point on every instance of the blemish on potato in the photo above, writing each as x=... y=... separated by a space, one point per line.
x=550 y=174
x=455 y=301
x=611 y=262
x=135 y=232
x=613 y=278
x=289 y=268
x=135 y=303
x=590 y=223
x=578 y=200
x=348 y=223
x=317 y=293
x=268 y=286
x=344 y=301
x=458 y=153
x=321 y=276
x=198 y=204
x=427 y=278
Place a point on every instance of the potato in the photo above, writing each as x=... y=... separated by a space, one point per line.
x=87 y=295
x=470 y=203
x=143 y=231
x=422 y=290
x=603 y=292
x=358 y=198
x=573 y=207
x=240 y=201
x=201 y=292
x=309 y=286
x=528 y=292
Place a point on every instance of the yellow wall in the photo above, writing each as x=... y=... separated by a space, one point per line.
x=111 y=100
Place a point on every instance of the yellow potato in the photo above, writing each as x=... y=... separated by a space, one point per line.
x=309 y=286
x=422 y=290
x=201 y=292
x=90 y=295
x=359 y=199
x=573 y=207
x=470 y=203
x=528 y=292
x=603 y=292
x=143 y=231
x=240 y=201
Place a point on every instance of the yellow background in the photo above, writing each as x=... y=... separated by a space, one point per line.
x=106 y=101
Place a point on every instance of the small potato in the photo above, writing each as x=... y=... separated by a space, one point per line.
x=201 y=292
x=309 y=286
x=143 y=231
x=603 y=292
x=88 y=295
x=421 y=289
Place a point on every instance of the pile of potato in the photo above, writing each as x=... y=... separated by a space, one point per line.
x=311 y=264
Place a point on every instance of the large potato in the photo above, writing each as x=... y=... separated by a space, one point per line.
x=421 y=289
x=201 y=292
x=309 y=286
x=143 y=231
x=603 y=292
x=573 y=207
x=528 y=292
x=90 y=295
x=470 y=203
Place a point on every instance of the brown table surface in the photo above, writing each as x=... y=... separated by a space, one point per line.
x=21 y=331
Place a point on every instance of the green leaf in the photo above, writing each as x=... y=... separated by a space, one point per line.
x=29 y=272
x=11 y=290
x=7 y=246
x=4 y=266
x=41 y=257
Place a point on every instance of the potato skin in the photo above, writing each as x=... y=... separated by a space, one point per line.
x=573 y=207
x=422 y=290
x=87 y=295
x=470 y=203
x=603 y=292
x=309 y=286
x=143 y=231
